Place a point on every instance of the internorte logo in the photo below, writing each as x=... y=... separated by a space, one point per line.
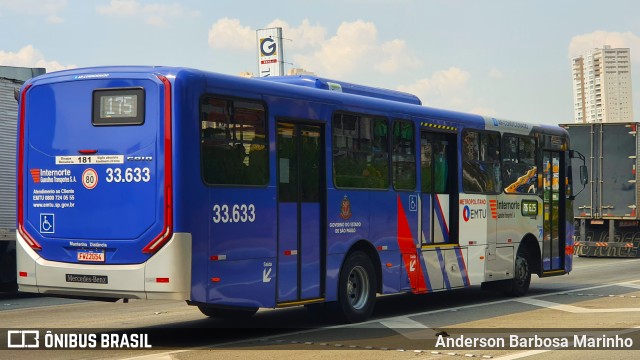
x=52 y=176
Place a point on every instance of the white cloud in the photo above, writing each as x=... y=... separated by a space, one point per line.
x=304 y=36
x=121 y=8
x=582 y=44
x=29 y=56
x=230 y=34
x=354 y=48
x=397 y=57
x=444 y=89
x=47 y=8
x=153 y=14
x=495 y=74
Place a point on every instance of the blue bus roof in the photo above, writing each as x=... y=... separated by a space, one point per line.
x=304 y=86
x=345 y=87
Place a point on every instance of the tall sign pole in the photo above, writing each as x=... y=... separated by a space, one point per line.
x=270 y=57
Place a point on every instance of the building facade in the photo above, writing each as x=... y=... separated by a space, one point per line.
x=602 y=86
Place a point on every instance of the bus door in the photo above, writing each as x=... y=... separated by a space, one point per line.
x=553 y=246
x=439 y=199
x=301 y=247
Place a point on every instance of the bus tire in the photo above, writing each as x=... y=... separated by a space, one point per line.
x=8 y=279
x=222 y=313
x=357 y=288
x=522 y=275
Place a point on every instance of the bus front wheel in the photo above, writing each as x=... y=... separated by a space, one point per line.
x=357 y=288
x=522 y=275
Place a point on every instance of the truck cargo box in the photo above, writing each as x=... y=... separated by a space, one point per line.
x=11 y=78
x=607 y=221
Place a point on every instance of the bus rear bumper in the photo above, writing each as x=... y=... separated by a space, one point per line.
x=166 y=275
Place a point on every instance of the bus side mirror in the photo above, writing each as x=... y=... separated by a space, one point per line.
x=16 y=93
x=584 y=175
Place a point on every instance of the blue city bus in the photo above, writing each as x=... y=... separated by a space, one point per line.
x=236 y=194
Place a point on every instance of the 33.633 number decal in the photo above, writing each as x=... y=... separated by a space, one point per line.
x=236 y=213
x=136 y=174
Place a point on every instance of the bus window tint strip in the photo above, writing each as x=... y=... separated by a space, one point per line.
x=404 y=155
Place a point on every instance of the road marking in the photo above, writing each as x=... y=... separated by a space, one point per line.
x=159 y=356
x=521 y=355
x=394 y=320
x=410 y=329
x=630 y=285
x=571 y=308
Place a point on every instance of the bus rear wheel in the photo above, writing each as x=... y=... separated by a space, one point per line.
x=522 y=275
x=357 y=288
x=8 y=280
x=223 y=313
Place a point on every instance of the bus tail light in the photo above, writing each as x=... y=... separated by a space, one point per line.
x=162 y=280
x=162 y=239
x=28 y=239
x=21 y=169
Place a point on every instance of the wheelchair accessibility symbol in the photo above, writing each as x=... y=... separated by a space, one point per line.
x=47 y=223
x=413 y=202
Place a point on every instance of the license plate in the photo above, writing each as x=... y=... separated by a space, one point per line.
x=90 y=256
x=88 y=279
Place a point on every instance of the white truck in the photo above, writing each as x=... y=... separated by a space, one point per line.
x=11 y=78
x=606 y=214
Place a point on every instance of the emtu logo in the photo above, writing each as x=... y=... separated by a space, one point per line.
x=35 y=174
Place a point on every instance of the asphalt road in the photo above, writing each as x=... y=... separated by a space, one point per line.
x=600 y=298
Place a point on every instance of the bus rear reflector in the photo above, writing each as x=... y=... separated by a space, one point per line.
x=162 y=280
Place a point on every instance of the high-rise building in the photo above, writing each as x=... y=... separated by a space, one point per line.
x=602 y=86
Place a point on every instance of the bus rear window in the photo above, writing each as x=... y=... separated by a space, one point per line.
x=122 y=106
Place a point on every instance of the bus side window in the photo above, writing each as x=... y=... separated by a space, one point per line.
x=233 y=142
x=481 y=162
x=519 y=170
x=434 y=167
x=360 y=151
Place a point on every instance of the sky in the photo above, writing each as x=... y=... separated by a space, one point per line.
x=505 y=58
